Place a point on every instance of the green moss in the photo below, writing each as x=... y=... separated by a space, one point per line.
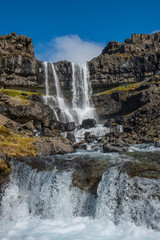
x=4 y=168
x=123 y=55
x=127 y=88
x=16 y=144
x=21 y=95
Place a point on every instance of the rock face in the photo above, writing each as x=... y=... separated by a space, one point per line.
x=136 y=60
x=137 y=105
x=28 y=127
x=131 y=61
x=18 y=65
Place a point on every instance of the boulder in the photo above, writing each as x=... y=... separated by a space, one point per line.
x=157 y=143
x=80 y=145
x=71 y=137
x=90 y=138
x=70 y=126
x=111 y=148
x=50 y=146
x=28 y=126
x=88 y=123
x=108 y=123
x=47 y=132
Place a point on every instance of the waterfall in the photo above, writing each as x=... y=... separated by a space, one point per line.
x=49 y=100
x=57 y=103
x=81 y=103
x=43 y=204
x=65 y=111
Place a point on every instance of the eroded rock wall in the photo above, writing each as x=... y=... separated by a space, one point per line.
x=131 y=61
x=18 y=65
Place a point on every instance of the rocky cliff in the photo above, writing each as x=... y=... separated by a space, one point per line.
x=132 y=61
x=18 y=65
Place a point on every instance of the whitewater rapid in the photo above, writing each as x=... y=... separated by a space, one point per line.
x=44 y=205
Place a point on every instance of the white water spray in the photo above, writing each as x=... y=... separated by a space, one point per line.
x=45 y=205
x=82 y=105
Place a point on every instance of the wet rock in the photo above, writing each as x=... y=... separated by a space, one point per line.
x=118 y=120
x=111 y=148
x=5 y=171
x=157 y=143
x=71 y=137
x=88 y=174
x=70 y=126
x=58 y=125
x=108 y=123
x=90 y=138
x=88 y=123
x=80 y=145
x=51 y=146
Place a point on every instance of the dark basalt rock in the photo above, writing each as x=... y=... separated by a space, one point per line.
x=131 y=61
x=88 y=123
x=70 y=126
x=89 y=138
x=71 y=137
x=112 y=148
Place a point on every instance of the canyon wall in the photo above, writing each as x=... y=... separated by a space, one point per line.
x=131 y=61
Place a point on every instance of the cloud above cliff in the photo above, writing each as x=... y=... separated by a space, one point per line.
x=71 y=48
x=155 y=31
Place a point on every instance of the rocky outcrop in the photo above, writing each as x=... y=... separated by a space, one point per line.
x=137 y=106
x=28 y=127
x=131 y=61
x=18 y=65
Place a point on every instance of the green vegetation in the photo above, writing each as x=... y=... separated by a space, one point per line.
x=16 y=144
x=4 y=168
x=20 y=95
x=123 y=88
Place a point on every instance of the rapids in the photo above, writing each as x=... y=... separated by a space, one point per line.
x=44 y=204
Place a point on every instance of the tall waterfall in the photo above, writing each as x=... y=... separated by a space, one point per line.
x=81 y=106
x=57 y=103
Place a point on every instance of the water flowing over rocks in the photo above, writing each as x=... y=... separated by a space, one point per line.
x=116 y=180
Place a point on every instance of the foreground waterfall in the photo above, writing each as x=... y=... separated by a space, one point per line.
x=81 y=105
x=44 y=204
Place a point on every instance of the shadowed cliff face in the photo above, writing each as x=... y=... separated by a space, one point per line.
x=135 y=61
x=18 y=65
x=131 y=61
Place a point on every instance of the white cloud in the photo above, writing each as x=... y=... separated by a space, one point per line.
x=155 y=31
x=71 y=48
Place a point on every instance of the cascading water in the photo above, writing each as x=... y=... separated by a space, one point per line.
x=65 y=111
x=81 y=103
x=49 y=100
x=57 y=103
x=43 y=204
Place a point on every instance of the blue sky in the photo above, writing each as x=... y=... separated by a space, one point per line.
x=87 y=25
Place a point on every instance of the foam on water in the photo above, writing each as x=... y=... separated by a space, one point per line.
x=98 y=131
x=143 y=148
x=76 y=229
x=44 y=205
